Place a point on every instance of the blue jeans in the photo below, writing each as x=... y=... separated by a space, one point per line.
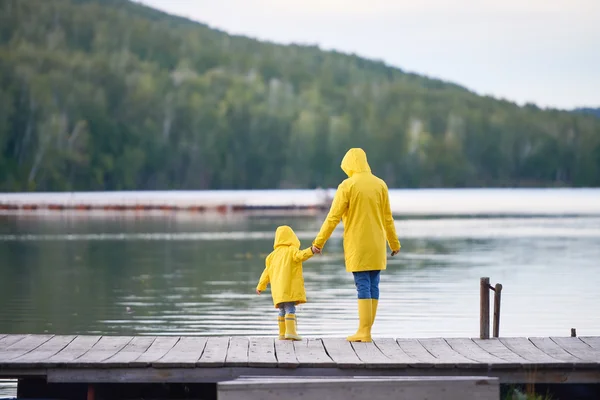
x=367 y=284
x=286 y=308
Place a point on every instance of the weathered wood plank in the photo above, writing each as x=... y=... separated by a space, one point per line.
x=342 y=353
x=472 y=351
x=579 y=349
x=360 y=388
x=261 y=352
x=497 y=349
x=549 y=347
x=131 y=352
x=445 y=353
x=79 y=346
x=237 y=355
x=593 y=341
x=528 y=351
x=311 y=353
x=415 y=349
x=23 y=346
x=9 y=340
x=391 y=349
x=185 y=353
x=105 y=348
x=45 y=351
x=215 y=352
x=155 y=352
x=285 y=353
x=372 y=356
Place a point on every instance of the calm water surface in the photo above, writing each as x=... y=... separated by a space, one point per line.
x=181 y=274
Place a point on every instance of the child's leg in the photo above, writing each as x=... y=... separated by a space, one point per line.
x=290 y=308
x=281 y=321
x=290 y=322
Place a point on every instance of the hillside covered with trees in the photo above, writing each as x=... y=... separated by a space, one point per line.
x=112 y=95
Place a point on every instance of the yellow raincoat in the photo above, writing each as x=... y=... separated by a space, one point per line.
x=283 y=268
x=362 y=202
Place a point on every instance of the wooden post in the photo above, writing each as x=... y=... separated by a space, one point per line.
x=573 y=332
x=497 y=298
x=91 y=393
x=484 y=308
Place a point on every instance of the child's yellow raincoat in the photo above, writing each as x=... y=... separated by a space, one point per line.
x=283 y=268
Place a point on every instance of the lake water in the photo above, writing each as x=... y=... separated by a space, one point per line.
x=167 y=273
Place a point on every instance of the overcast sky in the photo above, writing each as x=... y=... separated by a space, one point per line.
x=541 y=51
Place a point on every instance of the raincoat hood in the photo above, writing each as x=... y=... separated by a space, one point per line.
x=355 y=161
x=285 y=236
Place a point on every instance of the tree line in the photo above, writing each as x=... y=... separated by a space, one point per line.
x=113 y=95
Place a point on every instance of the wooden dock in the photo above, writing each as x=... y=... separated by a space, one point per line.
x=163 y=359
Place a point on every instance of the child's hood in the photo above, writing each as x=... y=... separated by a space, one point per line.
x=285 y=236
x=355 y=161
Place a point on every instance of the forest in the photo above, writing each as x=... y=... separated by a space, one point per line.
x=113 y=95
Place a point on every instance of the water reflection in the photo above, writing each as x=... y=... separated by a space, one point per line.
x=169 y=275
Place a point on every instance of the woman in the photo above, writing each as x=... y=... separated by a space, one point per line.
x=362 y=201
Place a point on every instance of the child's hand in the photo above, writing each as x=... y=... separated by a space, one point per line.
x=395 y=252
x=258 y=292
x=316 y=250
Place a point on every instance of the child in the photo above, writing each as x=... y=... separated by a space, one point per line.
x=283 y=269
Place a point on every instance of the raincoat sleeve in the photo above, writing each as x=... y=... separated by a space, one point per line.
x=303 y=255
x=264 y=278
x=338 y=209
x=388 y=220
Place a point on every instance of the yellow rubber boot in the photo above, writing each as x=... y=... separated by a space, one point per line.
x=281 y=323
x=374 y=304
x=290 y=327
x=365 y=320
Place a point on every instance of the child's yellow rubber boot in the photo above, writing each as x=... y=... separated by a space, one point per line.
x=290 y=327
x=365 y=321
x=281 y=323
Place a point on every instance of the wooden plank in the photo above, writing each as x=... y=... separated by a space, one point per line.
x=441 y=350
x=215 y=352
x=579 y=349
x=237 y=354
x=391 y=349
x=341 y=352
x=360 y=388
x=9 y=340
x=186 y=353
x=472 y=351
x=415 y=349
x=261 y=352
x=372 y=357
x=549 y=347
x=24 y=346
x=46 y=350
x=155 y=352
x=104 y=349
x=528 y=351
x=79 y=346
x=496 y=348
x=311 y=353
x=131 y=352
x=285 y=353
x=593 y=341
